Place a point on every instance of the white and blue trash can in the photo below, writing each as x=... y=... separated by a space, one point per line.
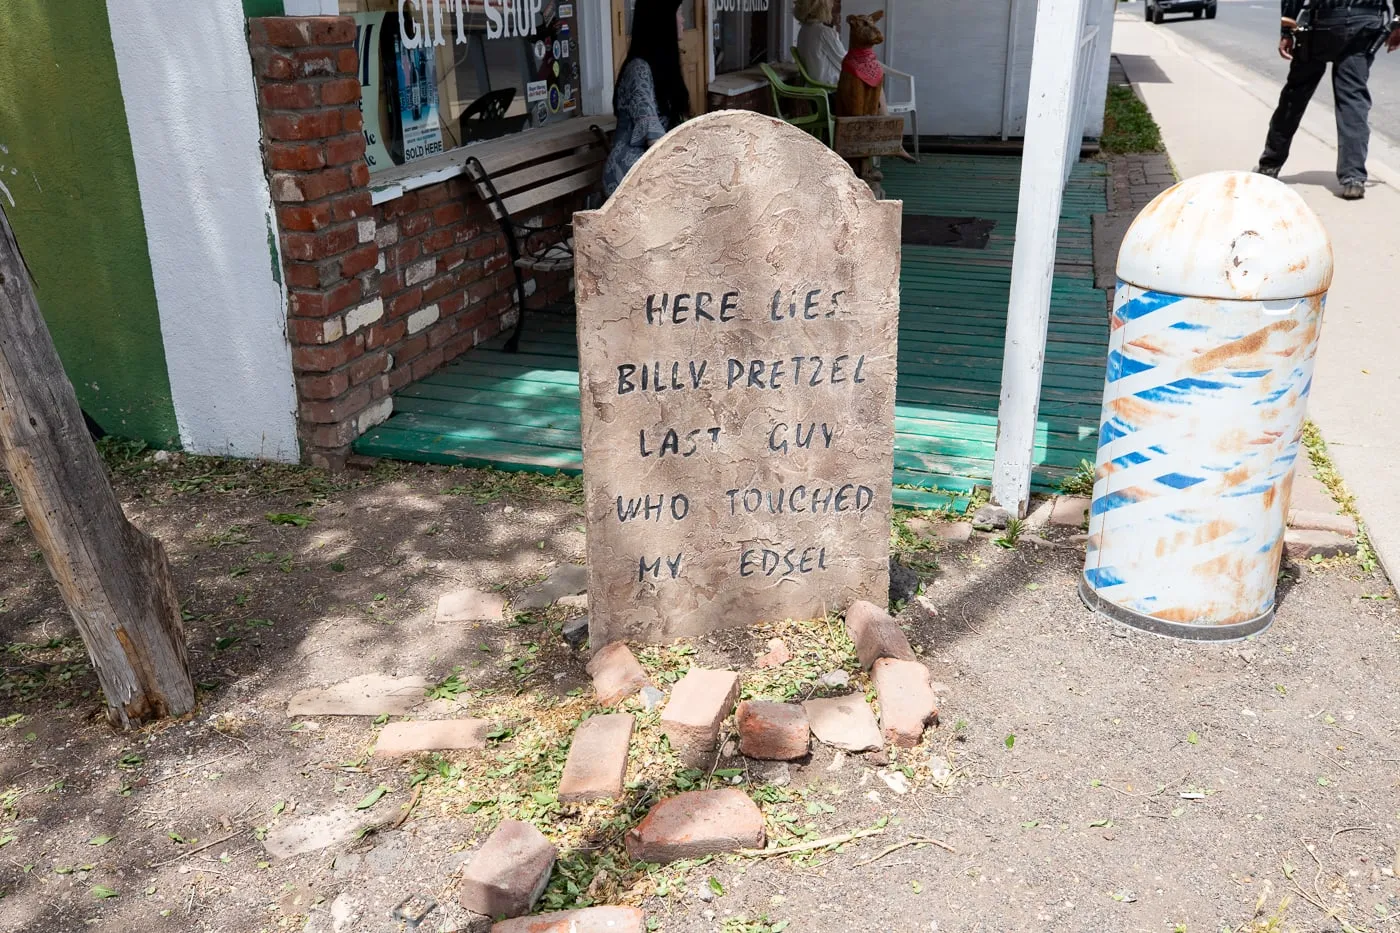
x=1222 y=281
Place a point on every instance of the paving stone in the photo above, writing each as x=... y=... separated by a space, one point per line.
x=509 y=872
x=876 y=634
x=699 y=702
x=311 y=833
x=907 y=703
x=778 y=654
x=566 y=580
x=773 y=731
x=1070 y=511
x=597 y=763
x=1301 y=544
x=616 y=674
x=588 y=920
x=470 y=606
x=366 y=695
x=1343 y=525
x=1309 y=494
x=399 y=739
x=844 y=722
x=695 y=824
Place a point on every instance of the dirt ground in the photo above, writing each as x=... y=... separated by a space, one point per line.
x=1082 y=778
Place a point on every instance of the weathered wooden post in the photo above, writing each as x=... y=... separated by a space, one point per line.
x=738 y=302
x=114 y=578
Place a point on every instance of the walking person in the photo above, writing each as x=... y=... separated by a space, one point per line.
x=1346 y=35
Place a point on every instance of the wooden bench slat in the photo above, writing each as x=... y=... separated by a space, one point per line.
x=504 y=156
x=527 y=201
x=509 y=183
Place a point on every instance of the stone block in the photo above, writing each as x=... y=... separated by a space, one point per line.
x=1301 y=544
x=616 y=674
x=876 y=634
x=470 y=606
x=773 y=731
x=400 y=739
x=509 y=872
x=906 y=698
x=844 y=722
x=699 y=702
x=588 y=920
x=695 y=824
x=597 y=763
x=1070 y=511
x=1337 y=524
x=366 y=695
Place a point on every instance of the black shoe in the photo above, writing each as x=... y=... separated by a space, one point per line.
x=1353 y=191
x=1270 y=170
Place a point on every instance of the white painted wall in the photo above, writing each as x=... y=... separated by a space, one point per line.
x=187 y=85
x=311 y=7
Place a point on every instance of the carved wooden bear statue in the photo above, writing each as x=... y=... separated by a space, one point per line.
x=860 y=92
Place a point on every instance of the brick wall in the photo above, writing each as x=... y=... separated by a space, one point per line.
x=378 y=295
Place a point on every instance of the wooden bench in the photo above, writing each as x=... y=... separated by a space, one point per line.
x=517 y=177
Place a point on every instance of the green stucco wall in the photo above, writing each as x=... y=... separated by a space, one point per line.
x=77 y=211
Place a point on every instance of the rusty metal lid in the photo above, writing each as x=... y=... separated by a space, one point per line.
x=1231 y=235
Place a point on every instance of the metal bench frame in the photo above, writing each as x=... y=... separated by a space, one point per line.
x=573 y=164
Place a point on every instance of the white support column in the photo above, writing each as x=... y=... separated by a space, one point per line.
x=1058 y=30
x=596 y=56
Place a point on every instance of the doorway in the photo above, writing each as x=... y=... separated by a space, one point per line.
x=694 y=62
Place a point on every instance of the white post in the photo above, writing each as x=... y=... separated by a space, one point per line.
x=1054 y=60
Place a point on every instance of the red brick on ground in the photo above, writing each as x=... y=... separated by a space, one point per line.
x=699 y=702
x=773 y=731
x=588 y=920
x=509 y=872
x=907 y=703
x=616 y=674
x=1070 y=511
x=697 y=823
x=597 y=764
x=399 y=739
x=876 y=634
x=778 y=654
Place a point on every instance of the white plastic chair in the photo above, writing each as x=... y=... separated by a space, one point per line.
x=899 y=98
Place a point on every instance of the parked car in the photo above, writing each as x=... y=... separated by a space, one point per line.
x=1157 y=9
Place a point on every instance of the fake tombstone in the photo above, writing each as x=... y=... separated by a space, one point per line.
x=738 y=308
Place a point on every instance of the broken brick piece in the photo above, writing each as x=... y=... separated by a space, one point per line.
x=876 y=634
x=907 y=704
x=616 y=674
x=772 y=731
x=697 y=823
x=844 y=722
x=399 y=739
x=699 y=702
x=597 y=763
x=588 y=920
x=509 y=872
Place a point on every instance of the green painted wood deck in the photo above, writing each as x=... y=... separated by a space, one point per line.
x=520 y=411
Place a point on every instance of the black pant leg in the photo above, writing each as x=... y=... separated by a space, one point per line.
x=1353 y=99
x=1303 y=78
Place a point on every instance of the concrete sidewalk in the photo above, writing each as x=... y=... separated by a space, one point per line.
x=1213 y=116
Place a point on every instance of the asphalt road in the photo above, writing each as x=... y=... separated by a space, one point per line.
x=1246 y=32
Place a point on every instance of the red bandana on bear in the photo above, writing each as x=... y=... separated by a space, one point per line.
x=864 y=65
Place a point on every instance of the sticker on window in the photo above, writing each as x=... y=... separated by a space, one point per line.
x=539 y=50
x=536 y=91
x=566 y=10
x=554 y=98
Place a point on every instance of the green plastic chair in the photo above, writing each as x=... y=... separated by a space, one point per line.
x=807 y=78
x=819 y=123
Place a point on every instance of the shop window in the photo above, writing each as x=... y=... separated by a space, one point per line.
x=746 y=32
x=438 y=74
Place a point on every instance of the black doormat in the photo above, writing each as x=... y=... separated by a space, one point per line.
x=959 y=232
